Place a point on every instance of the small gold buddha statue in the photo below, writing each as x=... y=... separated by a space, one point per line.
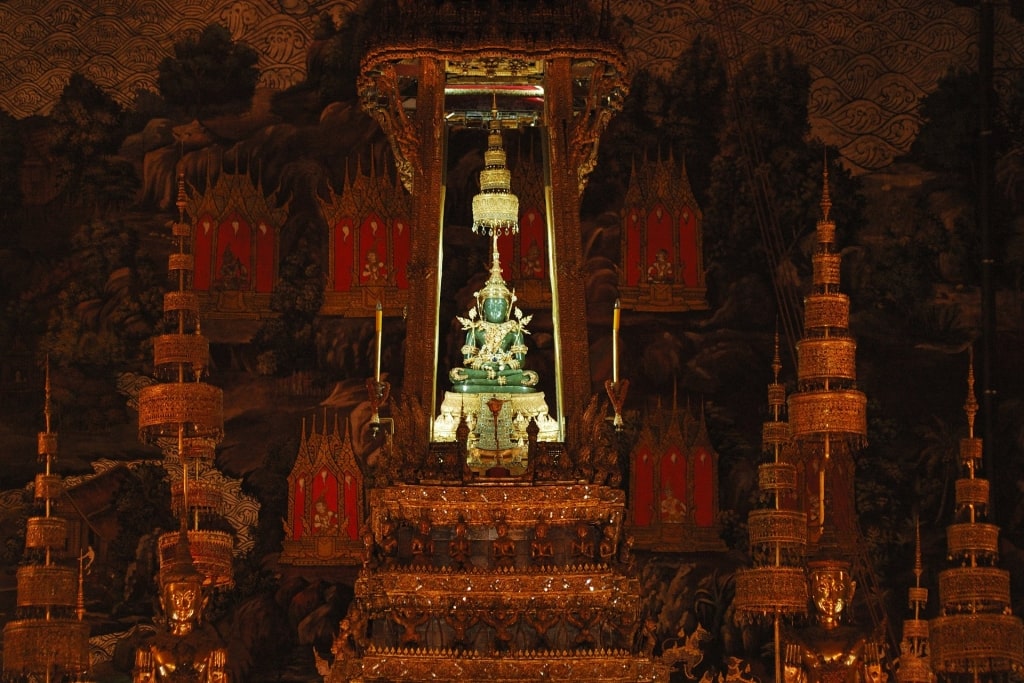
x=828 y=651
x=495 y=347
x=185 y=649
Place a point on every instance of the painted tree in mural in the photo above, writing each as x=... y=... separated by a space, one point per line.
x=767 y=142
x=680 y=113
x=209 y=74
x=87 y=125
x=287 y=342
x=334 y=57
x=12 y=152
x=102 y=305
x=143 y=504
x=694 y=107
x=947 y=145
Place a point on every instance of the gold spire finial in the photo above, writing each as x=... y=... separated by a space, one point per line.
x=776 y=359
x=971 y=404
x=826 y=199
x=181 y=201
x=918 y=566
x=47 y=402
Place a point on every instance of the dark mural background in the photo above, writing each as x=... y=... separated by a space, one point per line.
x=87 y=189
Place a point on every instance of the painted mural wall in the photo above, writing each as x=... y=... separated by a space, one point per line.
x=295 y=178
x=871 y=62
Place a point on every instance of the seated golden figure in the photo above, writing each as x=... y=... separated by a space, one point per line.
x=495 y=347
x=542 y=551
x=503 y=547
x=422 y=545
x=828 y=651
x=459 y=546
x=185 y=649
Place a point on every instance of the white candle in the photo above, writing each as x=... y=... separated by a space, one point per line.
x=378 y=327
x=615 y=342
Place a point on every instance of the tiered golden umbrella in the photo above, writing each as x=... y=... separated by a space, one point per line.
x=776 y=585
x=915 y=664
x=495 y=207
x=48 y=640
x=184 y=416
x=976 y=634
x=827 y=414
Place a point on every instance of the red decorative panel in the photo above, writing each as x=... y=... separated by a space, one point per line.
x=659 y=241
x=688 y=257
x=672 y=496
x=703 y=487
x=351 y=506
x=325 y=502
x=643 y=501
x=373 y=251
x=400 y=246
x=299 y=511
x=234 y=253
x=344 y=254
x=533 y=254
x=633 y=257
x=203 y=253
x=264 y=258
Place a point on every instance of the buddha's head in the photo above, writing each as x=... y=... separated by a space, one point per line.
x=494 y=301
x=494 y=310
x=832 y=589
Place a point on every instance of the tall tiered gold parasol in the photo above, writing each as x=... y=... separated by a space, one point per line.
x=776 y=585
x=976 y=633
x=48 y=639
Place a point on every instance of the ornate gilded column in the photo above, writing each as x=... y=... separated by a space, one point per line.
x=426 y=234
x=418 y=142
x=568 y=294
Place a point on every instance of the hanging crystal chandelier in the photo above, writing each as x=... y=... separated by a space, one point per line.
x=495 y=208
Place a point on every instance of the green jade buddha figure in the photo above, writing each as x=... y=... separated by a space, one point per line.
x=495 y=347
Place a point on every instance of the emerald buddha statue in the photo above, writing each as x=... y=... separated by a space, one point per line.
x=491 y=390
x=495 y=345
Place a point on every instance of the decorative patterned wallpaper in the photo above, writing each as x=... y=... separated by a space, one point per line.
x=118 y=43
x=871 y=60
